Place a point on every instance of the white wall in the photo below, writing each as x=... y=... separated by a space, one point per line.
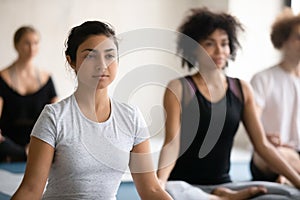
x=257 y=52
x=55 y=18
x=296 y=6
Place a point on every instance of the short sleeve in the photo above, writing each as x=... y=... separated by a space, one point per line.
x=45 y=127
x=259 y=87
x=141 y=128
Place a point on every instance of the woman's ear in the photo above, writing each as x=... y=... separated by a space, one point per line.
x=70 y=62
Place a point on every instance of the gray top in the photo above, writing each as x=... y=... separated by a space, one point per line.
x=90 y=158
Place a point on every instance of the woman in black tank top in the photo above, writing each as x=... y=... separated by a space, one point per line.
x=24 y=91
x=203 y=111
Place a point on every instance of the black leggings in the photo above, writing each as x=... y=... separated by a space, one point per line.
x=258 y=175
x=11 y=151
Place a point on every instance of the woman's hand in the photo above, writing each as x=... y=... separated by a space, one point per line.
x=274 y=138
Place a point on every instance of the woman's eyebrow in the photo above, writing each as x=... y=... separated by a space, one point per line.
x=95 y=50
x=90 y=50
x=108 y=50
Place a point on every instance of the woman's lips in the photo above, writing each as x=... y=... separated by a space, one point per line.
x=100 y=76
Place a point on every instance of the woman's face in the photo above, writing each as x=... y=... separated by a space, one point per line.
x=96 y=63
x=217 y=48
x=28 y=45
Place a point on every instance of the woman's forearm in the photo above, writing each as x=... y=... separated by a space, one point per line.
x=26 y=193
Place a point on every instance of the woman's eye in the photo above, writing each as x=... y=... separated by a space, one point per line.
x=225 y=44
x=90 y=56
x=110 y=56
x=208 y=44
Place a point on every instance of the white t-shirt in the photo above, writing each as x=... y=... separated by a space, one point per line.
x=278 y=94
x=90 y=158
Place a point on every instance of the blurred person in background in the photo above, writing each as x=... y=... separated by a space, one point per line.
x=277 y=95
x=24 y=91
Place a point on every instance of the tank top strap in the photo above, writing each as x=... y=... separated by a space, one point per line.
x=188 y=90
x=235 y=87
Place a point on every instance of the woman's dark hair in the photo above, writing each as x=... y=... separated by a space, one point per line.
x=21 y=32
x=80 y=33
x=283 y=27
x=198 y=25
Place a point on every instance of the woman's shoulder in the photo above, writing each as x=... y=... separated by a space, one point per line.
x=4 y=73
x=123 y=107
x=61 y=106
x=44 y=76
x=267 y=74
x=246 y=90
x=238 y=80
x=175 y=85
x=125 y=113
x=4 y=70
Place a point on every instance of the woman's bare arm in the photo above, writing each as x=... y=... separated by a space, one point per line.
x=170 y=150
x=38 y=165
x=260 y=142
x=143 y=173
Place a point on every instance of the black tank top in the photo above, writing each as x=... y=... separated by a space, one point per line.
x=20 y=112
x=214 y=123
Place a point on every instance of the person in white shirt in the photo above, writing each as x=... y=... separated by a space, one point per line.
x=277 y=94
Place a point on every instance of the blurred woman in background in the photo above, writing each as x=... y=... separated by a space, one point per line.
x=24 y=91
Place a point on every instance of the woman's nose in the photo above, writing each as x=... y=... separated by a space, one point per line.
x=218 y=49
x=101 y=66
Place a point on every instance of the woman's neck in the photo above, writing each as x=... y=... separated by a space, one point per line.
x=23 y=76
x=94 y=103
x=212 y=85
x=214 y=77
x=23 y=64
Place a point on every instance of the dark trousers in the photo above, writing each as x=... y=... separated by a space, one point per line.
x=11 y=152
